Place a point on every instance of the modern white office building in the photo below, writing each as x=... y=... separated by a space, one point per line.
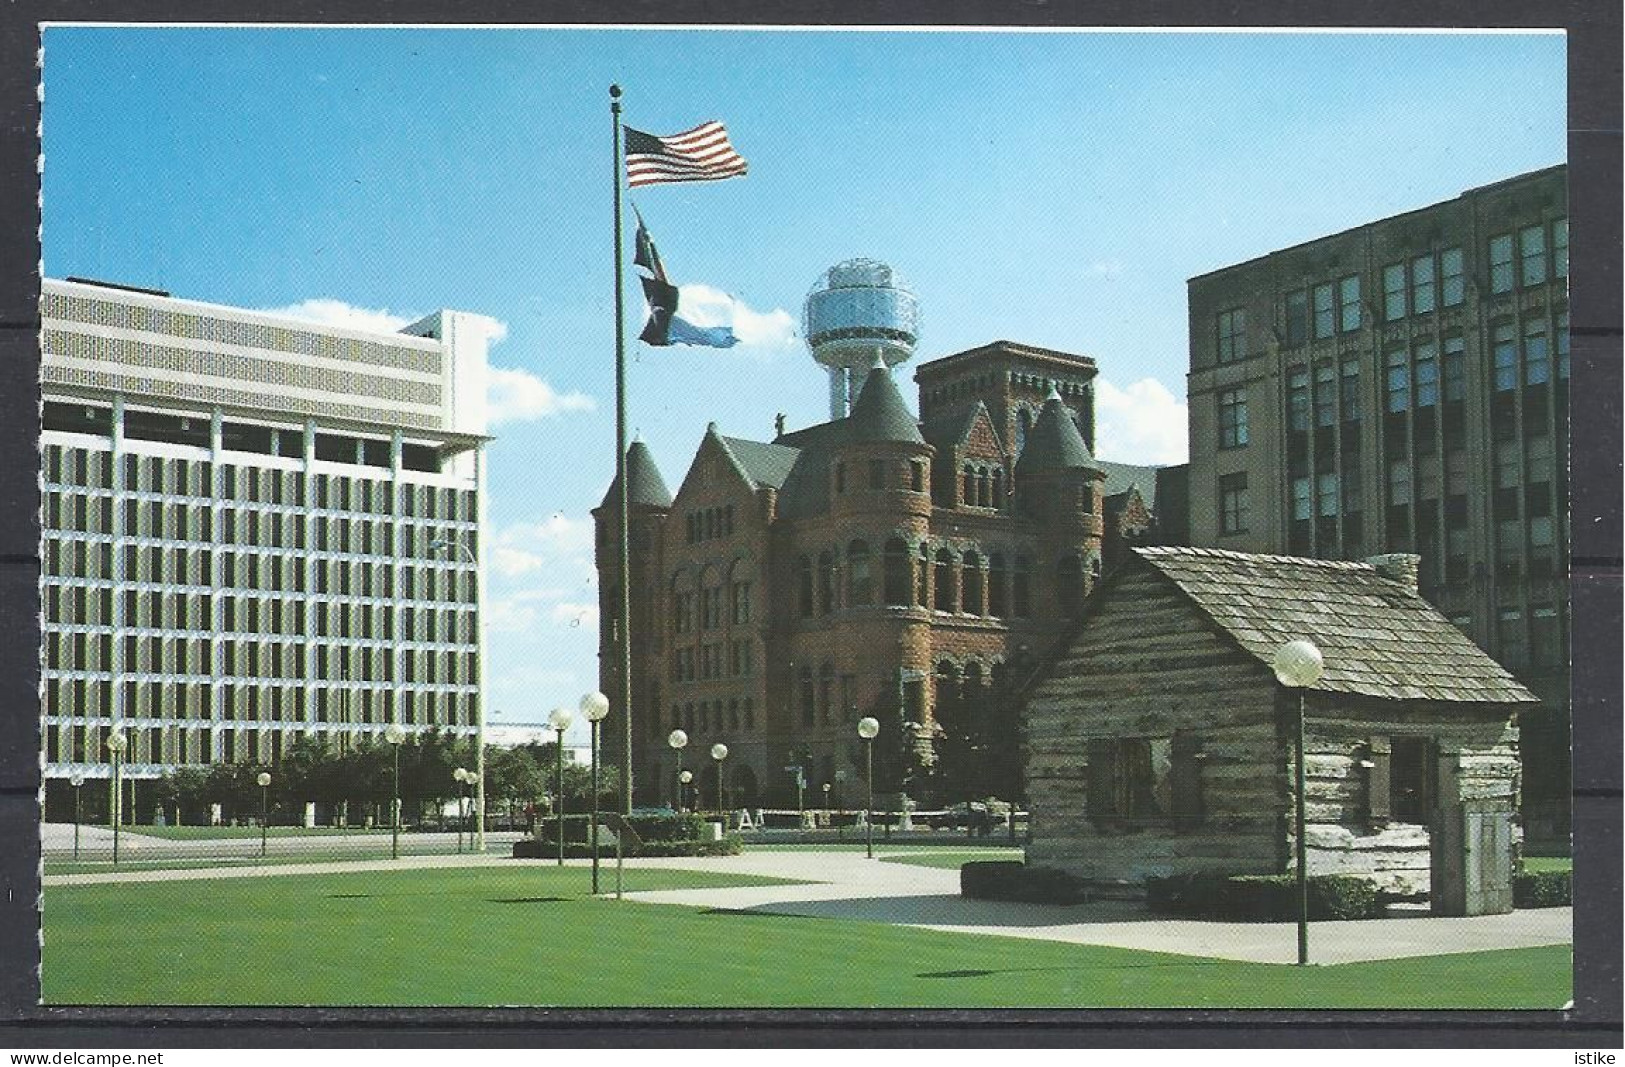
x=255 y=529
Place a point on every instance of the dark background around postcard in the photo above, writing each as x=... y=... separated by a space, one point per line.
x=1594 y=142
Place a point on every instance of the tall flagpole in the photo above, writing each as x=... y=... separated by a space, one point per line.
x=623 y=632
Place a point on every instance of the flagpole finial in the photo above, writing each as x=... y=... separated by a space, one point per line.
x=615 y=92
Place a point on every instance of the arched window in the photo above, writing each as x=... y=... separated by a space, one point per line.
x=1024 y=425
x=970 y=693
x=860 y=579
x=1069 y=585
x=998 y=587
x=826 y=583
x=967 y=492
x=808 y=709
x=733 y=714
x=804 y=587
x=971 y=585
x=896 y=577
x=998 y=488
x=944 y=581
x=984 y=488
x=922 y=578
x=1021 y=588
x=946 y=700
x=826 y=692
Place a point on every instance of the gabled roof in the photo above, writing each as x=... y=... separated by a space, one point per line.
x=951 y=431
x=645 y=487
x=1379 y=637
x=763 y=463
x=805 y=490
x=880 y=414
x=1054 y=442
x=1120 y=477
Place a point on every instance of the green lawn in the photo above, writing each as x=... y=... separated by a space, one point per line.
x=1548 y=863
x=529 y=936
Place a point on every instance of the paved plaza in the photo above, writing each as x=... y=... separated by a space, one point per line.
x=847 y=885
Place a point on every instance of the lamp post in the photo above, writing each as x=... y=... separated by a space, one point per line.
x=78 y=782
x=116 y=742
x=477 y=840
x=683 y=780
x=719 y=752
x=594 y=706
x=678 y=740
x=396 y=736
x=868 y=729
x=826 y=805
x=1299 y=665
x=264 y=780
x=559 y=718
x=461 y=776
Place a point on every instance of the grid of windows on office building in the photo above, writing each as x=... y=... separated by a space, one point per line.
x=220 y=610
x=1425 y=462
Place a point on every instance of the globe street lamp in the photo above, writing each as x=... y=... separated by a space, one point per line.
x=826 y=805
x=77 y=781
x=1299 y=665
x=678 y=740
x=683 y=780
x=560 y=719
x=462 y=794
x=868 y=729
x=719 y=752
x=116 y=742
x=264 y=780
x=594 y=706
x=396 y=736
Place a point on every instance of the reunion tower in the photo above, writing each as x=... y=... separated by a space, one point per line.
x=858 y=310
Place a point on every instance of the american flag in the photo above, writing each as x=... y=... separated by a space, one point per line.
x=702 y=154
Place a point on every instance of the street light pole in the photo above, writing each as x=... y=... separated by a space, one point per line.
x=594 y=706
x=684 y=777
x=719 y=752
x=678 y=740
x=462 y=795
x=396 y=736
x=868 y=729
x=1298 y=665
x=115 y=744
x=264 y=780
x=78 y=782
x=559 y=719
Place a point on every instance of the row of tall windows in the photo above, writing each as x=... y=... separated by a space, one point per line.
x=711 y=660
x=1529 y=256
x=710 y=607
x=982 y=486
x=1323 y=310
x=710 y=716
x=708 y=524
x=878 y=474
x=820 y=702
x=944 y=580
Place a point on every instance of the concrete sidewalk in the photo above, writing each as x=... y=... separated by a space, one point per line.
x=852 y=887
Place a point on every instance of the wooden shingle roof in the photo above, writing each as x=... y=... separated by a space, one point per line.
x=1379 y=637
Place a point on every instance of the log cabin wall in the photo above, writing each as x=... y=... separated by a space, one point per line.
x=1147 y=666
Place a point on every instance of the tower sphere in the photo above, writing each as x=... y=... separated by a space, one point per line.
x=859 y=310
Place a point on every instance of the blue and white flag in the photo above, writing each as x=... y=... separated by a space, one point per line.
x=665 y=325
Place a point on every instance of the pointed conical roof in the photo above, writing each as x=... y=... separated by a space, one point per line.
x=880 y=414
x=1054 y=442
x=645 y=486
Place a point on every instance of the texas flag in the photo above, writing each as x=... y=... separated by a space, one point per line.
x=665 y=325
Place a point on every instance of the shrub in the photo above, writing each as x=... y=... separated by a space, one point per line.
x=548 y=848
x=1013 y=880
x=1263 y=898
x=1542 y=889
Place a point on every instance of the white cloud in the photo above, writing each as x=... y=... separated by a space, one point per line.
x=703 y=305
x=329 y=312
x=514 y=395
x=1107 y=268
x=1141 y=423
x=557 y=543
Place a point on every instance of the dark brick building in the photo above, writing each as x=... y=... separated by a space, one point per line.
x=876 y=564
x=1403 y=387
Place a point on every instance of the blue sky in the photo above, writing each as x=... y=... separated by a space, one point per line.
x=1051 y=188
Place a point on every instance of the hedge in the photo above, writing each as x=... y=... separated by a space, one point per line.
x=1013 y=880
x=1542 y=889
x=548 y=848
x=1263 y=898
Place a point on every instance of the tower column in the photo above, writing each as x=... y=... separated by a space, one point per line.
x=837 y=392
